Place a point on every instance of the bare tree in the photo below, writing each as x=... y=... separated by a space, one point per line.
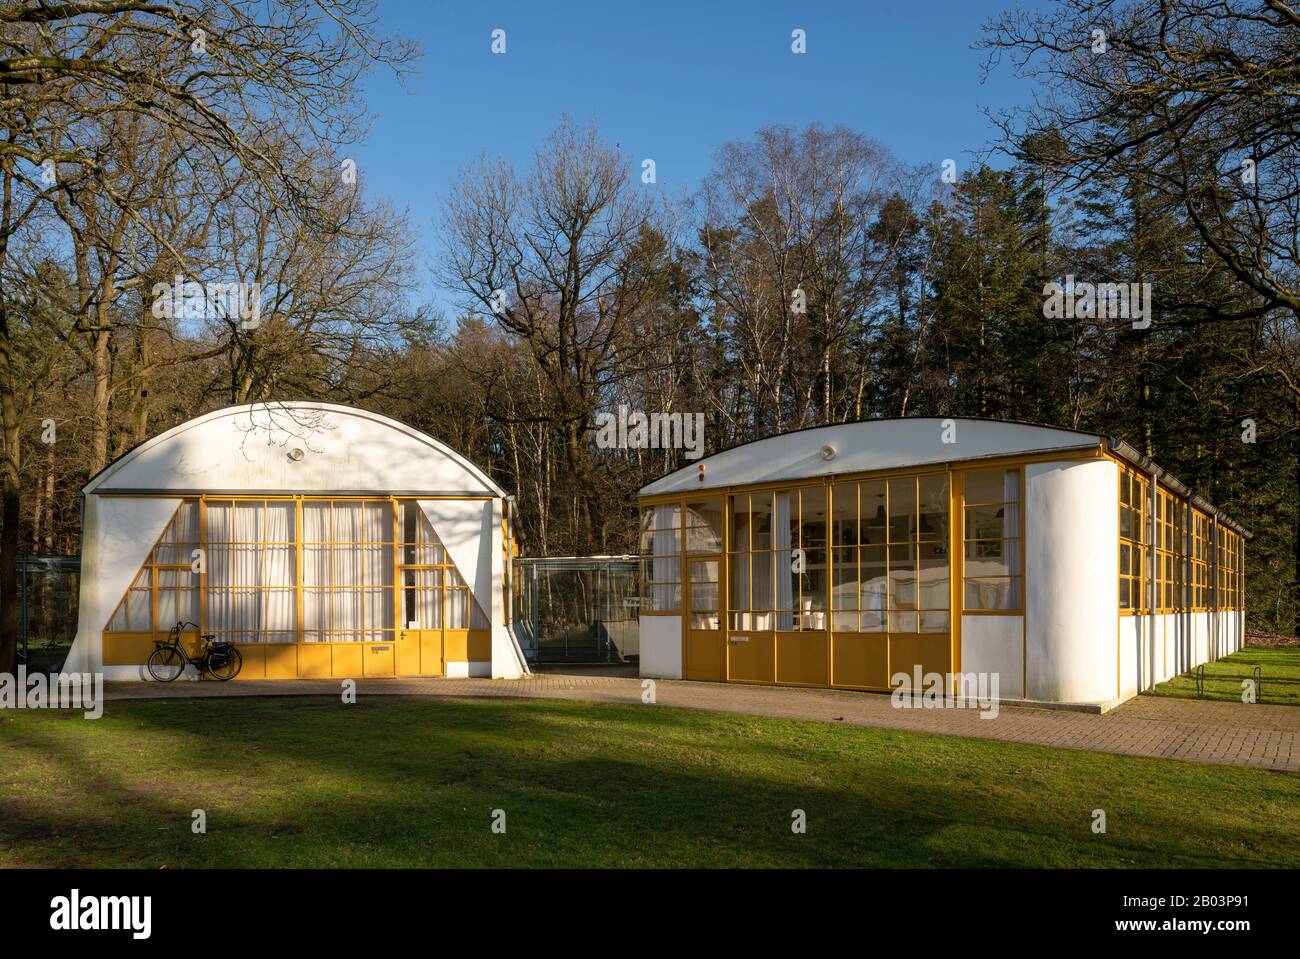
x=554 y=257
x=785 y=226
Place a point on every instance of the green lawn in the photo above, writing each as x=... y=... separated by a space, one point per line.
x=1279 y=676
x=413 y=782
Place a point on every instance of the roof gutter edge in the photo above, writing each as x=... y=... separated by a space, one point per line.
x=1126 y=451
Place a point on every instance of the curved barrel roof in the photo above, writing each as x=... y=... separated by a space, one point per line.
x=865 y=446
x=299 y=446
x=886 y=444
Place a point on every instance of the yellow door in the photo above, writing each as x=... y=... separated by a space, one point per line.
x=419 y=652
x=408 y=652
x=705 y=657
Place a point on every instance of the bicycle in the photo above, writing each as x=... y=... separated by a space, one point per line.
x=219 y=659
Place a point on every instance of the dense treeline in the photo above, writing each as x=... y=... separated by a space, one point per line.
x=810 y=279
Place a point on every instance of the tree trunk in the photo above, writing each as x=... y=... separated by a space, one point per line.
x=47 y=545
x=10 y=623
x=99 y=409
x=1295 y=584
x=10 y=498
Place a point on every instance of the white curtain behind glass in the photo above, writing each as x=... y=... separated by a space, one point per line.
x=435 y=586
x=280 y=607
x=217 y=562
x=781 y=543
x=666 y=573
x=250 y=569
x=1011 y=521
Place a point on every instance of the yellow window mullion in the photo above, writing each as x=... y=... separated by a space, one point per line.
x=298 y=571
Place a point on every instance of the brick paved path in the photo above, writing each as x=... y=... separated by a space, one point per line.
x=1261 y=735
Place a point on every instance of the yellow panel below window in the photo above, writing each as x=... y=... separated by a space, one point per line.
x=455 y=645
x=348 y=659
x=378 y=659
x=478 y=645
x=801 y=659
x=314 y=661
x=858 y=661
x=932 y=652
x=751 y=657
x=254 y=661
x=127 y=649
x=281 y=661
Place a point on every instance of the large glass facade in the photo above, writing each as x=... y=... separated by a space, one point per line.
x=285 y=570
x=753 y=591
x=661 y=551
x=250 y=551
x=704 y=541
x=992 y=577
x=348 y=576
x=890 y=555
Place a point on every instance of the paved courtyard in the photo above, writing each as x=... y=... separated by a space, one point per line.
x=1265 y=736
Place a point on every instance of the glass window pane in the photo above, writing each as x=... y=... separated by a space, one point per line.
x=872 y=520
x=812 y=585
x=667 y=516
x=760 y=518
x=989 y=557
x=844 y=622
x=902 y=622
x=762 y=587
x=248 y=522
x=932 y=584
x=1001 y=593
x=873 y=590
x=984 y=486
x=985 y=522
x=933 y=522
x=704 y=597
x=704 y=526
x=934 y=621
x=740 y=522
x=844 y=514
x=185 y=528
x=902 y=578
x=740 y=580
x=873 y=621
x=706 y=572
x=812 y=516
x=139 y=610
x=787 y=580
x=844 y=586
x=902 y=510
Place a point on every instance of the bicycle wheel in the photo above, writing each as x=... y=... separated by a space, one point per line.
x=165 y=664
x=229 y=669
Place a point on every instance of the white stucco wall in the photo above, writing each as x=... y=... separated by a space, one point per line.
x=116 y=537
x=995 y=644
x=507 y=655
x=1071 y=580
x=1132 y=638
x=1165 y=635
x=661 y=647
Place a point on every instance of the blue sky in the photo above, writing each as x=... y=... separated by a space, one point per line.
x=672 y=81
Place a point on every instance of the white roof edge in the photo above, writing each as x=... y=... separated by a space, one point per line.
x=100 y=478
x=670 y=483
